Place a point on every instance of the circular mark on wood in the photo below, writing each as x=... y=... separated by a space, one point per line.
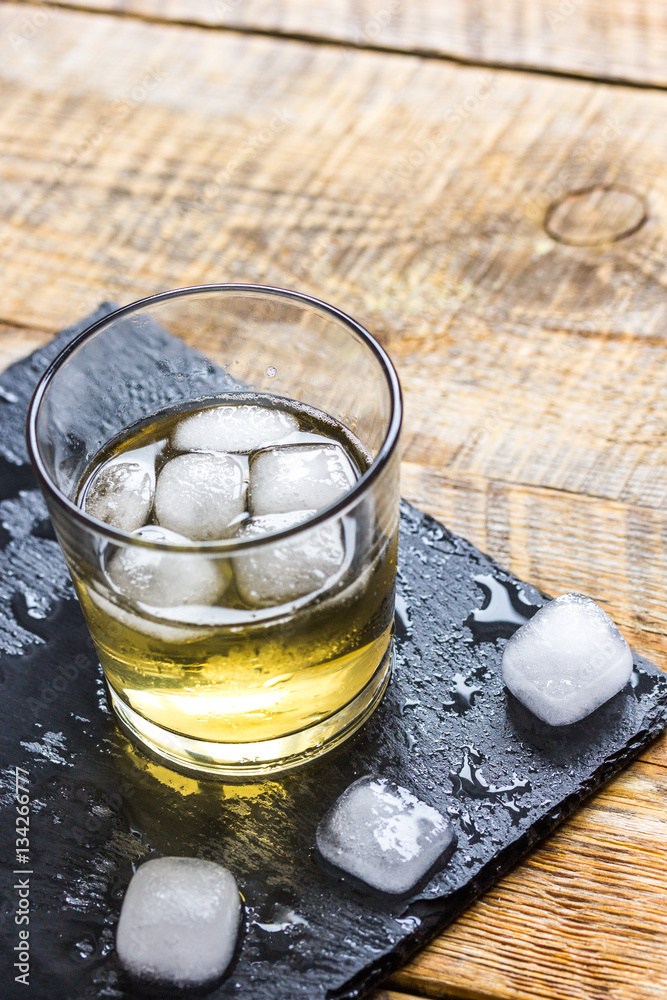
x=599 y=214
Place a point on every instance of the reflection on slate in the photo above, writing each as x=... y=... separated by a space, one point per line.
x=447 y=730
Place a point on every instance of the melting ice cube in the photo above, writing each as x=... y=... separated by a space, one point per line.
x=383 y=834
x=241 y=428
x=200 y=495
x=566 y=660
x=163 y=579
x=179 y=921
x=160 y=630
x=121 y=494
x=298 y=477
x=282 y=571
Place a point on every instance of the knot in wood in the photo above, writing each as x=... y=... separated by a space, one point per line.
x=596 y=215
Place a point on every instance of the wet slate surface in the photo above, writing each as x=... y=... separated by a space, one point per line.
x=447 y=730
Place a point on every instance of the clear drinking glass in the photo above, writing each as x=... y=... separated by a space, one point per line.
x=254 y=652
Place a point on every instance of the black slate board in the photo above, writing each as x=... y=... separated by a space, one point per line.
x=447 y=730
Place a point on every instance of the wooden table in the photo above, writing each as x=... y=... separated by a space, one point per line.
x=483 y=185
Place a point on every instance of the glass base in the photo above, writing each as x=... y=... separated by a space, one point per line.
x=226 y=761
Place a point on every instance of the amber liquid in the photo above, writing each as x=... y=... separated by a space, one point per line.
x=235 y=674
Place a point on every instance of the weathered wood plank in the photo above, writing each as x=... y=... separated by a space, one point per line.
x=17 y=342
x=142 y=156
x=581 y=918
x=377 y=198
x=605 y=39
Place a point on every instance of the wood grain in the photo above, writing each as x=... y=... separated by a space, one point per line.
x=413 y=194
x=17 y=342
x=605 y=39
x=391 y=995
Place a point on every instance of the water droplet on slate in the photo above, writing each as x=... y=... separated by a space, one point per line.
x=402 y=615
x=84 y=949
x=503 y=612
x=469 y=828
x=469 y=779
x=462 y=694
x=433 y=534
x=516 y=811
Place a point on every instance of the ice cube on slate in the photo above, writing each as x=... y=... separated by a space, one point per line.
x=298 y=477
x=282 y=571
x=179 y=921
x=383 y=834
x=163 y=579
x=200 y=495
x=121 y=494
x=567 y=660
x=239 y=428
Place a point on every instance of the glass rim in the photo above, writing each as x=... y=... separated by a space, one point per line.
x=223 y=545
